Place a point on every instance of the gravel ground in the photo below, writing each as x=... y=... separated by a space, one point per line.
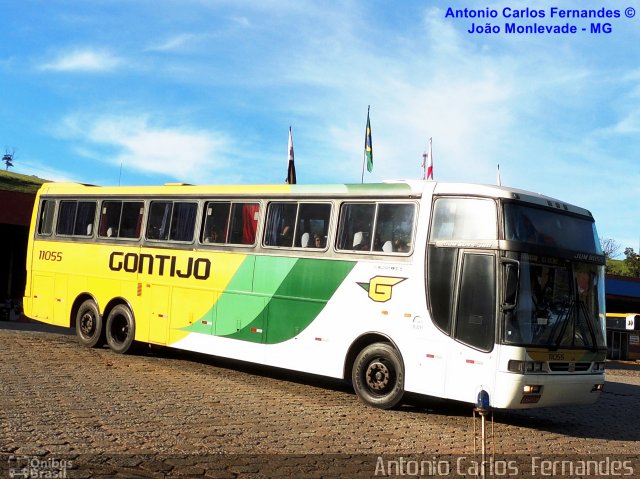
x=168 y=413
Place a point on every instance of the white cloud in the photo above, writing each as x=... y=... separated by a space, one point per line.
x=83 y=60
x=45 y=171
x=176 y=42
x=186 y=154
x=629 y=125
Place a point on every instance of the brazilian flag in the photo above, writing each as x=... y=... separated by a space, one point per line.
x=368 y=151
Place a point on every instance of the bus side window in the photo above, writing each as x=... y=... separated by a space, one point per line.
x=109 y=219
x=464 y=219
x=244 y=223
x=354 y=229
x=183 y=221
x=159 y=220
x=84 y=218
x=394 y=227
x=313 y=225
x=216 y=221
x=76 y=218
x=131 y=219
x=45 y=224
x=281 y=219
x=121 y=219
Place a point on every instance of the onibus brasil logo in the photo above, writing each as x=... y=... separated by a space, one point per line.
x=380 y=288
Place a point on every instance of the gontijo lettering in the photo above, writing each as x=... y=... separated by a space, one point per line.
x=160 y=264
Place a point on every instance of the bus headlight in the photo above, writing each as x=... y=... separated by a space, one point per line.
x=526 y=367
x=597 y=387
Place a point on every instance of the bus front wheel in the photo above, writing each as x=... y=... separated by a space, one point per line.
x=89 y=325
x=378 y=376
x=120 y=329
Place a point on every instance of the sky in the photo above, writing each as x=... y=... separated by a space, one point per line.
x=204 y=91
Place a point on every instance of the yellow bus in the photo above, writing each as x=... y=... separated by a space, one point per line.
x=442 y=289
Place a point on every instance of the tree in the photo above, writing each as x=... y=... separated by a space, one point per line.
x=632 y=262
x=610 y=247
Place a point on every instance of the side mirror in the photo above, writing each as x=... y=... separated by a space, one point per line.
x=511 y=281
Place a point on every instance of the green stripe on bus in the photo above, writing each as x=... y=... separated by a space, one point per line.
x=298 y=300
x=287 y=294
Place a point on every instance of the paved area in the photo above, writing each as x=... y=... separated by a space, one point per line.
x=65 y=409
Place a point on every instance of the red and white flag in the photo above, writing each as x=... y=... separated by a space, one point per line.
x=429 y=165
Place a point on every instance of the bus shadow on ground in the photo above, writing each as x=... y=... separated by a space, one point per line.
x=612 y=417
x=252 y=369
x=35 y=326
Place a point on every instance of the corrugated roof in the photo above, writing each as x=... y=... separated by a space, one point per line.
x=621 y=286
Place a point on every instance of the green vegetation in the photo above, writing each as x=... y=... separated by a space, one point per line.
x=10 y=181
x=629 y=266
x=617 y=267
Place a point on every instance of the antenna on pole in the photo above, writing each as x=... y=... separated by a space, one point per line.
x=120 y=175
x=8 y=159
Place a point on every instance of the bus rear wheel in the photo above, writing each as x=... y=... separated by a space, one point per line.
x=120 y=329
x=89 y=328
x=378 y=376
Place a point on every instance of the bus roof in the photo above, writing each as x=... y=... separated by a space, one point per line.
x=389 y=189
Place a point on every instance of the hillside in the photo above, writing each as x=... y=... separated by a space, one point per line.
x=10 y=181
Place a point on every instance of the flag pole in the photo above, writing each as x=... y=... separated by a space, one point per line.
x=367 y=133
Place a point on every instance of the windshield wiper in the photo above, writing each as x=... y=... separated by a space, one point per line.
x=562 y=323
x=592 y=332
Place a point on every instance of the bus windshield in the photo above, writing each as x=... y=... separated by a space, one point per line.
x=560 y=305
x=545 y=227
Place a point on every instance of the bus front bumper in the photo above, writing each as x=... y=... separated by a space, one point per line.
x=524 y=391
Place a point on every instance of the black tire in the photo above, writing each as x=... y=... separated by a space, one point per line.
x=89 y=325
x=378 y=376
x=120 y=329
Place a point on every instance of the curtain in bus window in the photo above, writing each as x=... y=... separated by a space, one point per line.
x=85 y=216
x=280 y=224
x=66 y=217
x=131 y=219
x=250 y=216
x=159 y=220
x=183 y=221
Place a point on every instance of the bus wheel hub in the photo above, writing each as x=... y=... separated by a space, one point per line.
x=377 y=375
x=87 y=323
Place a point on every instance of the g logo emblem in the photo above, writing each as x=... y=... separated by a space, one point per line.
x=380 y=288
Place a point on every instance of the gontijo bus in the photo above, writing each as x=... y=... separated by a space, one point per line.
x=433 y=288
